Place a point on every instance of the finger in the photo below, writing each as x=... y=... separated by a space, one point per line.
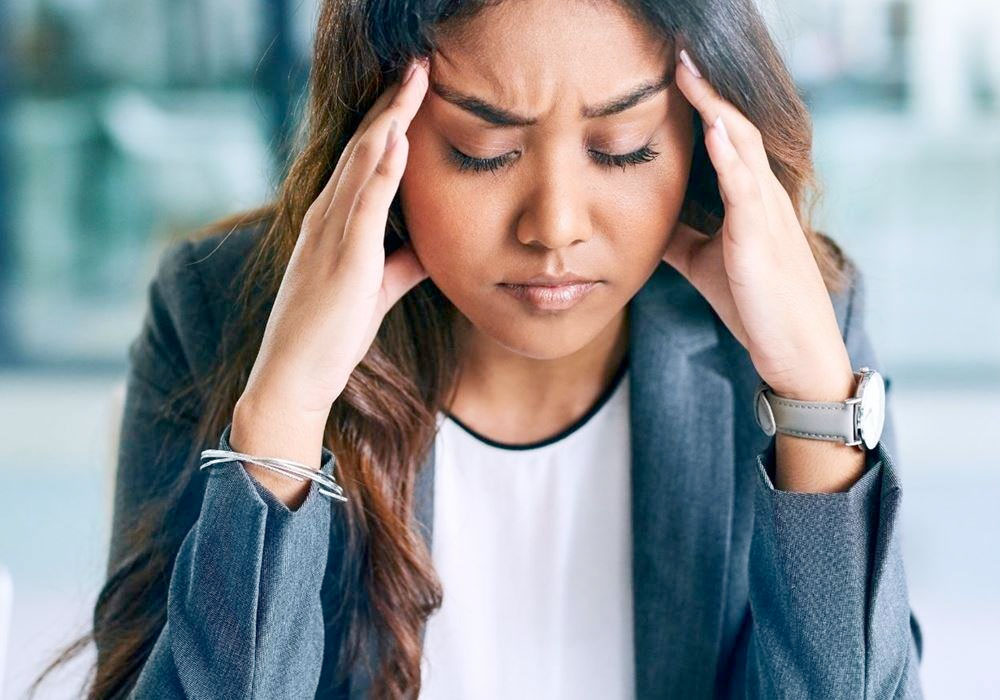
x=377 y=108
x=386 y=97
x=364 y=227
x=366 y=154
x=381 y=104
x=783 y=210
x=683 y=247
x=403 y=271
x=322 y=204
x=699 y=258
x=746 y=214
x=745 y=136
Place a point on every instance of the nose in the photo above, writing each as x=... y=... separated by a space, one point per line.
x=555 y=212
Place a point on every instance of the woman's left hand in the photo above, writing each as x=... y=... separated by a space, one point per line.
x=758 y=272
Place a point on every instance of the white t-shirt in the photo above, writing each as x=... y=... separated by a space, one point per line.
x=533 y=547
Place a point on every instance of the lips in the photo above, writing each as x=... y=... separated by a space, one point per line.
x=550 y=297
x=551 y=280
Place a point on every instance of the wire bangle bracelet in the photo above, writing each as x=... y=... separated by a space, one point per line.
x=328 y=486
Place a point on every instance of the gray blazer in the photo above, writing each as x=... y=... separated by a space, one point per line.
x=740 y=590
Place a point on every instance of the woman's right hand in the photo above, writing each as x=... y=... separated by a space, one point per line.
x=338 y=284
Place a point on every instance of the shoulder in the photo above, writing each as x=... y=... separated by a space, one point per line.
x=193 y=294
x=208 y=266
x=218 y=262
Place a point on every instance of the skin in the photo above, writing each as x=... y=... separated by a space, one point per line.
x=528 y=374
x=762 y=280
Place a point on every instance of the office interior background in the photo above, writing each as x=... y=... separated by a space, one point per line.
x=127 y=123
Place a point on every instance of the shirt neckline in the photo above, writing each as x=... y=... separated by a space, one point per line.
x=608 y=392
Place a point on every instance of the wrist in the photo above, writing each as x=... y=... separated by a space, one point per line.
x=831 y=385
x=261 y=429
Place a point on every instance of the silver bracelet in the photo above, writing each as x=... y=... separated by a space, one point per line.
x=328 y=486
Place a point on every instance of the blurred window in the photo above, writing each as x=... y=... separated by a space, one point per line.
x=128 y=123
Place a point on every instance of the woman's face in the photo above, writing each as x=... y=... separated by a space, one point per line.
x=559 y=198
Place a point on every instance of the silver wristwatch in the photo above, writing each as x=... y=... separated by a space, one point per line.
x=856 y=421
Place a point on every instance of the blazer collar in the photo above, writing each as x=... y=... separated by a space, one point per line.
x=682 y=482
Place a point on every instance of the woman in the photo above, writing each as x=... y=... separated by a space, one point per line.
x=536 y=367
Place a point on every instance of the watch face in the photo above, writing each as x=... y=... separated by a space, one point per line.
x=872 y=416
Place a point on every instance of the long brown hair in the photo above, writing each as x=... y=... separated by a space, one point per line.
x=382 y=425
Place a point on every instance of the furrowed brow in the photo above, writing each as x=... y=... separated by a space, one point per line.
x=501 y=117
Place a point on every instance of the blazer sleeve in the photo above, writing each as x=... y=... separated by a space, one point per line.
x=242 y=593
x=829 y=608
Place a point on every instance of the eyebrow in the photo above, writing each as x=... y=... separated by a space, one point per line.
x=500 y=116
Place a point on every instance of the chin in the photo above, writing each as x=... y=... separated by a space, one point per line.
x=536 y=346
x=539 y=337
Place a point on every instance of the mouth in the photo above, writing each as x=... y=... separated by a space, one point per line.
x=550 y=297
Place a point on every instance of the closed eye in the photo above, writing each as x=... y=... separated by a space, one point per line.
x=623 y=160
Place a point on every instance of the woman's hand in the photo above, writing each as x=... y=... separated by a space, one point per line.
x=336 y=289
x=758 y=272
x=338 y=284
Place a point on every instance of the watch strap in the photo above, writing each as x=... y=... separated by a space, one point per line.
x=822 y=420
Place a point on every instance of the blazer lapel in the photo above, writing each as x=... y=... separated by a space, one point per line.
x=682 y=487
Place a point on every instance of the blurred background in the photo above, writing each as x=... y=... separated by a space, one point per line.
x=124 y=123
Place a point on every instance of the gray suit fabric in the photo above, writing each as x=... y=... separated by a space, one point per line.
x=740 y=590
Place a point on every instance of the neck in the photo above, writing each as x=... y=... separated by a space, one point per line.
x=517 y=399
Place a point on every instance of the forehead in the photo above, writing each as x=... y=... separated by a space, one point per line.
x=530 y=54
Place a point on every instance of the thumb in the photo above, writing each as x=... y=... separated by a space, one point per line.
x=403 y=271
x=684 y=248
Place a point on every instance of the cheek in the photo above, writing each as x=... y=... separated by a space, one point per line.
x=641 y=208
x=450 y=237
x=456 y=220
x=459 y=228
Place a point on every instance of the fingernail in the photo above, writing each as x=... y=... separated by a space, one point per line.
x=721 y=126
x=686 y=60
